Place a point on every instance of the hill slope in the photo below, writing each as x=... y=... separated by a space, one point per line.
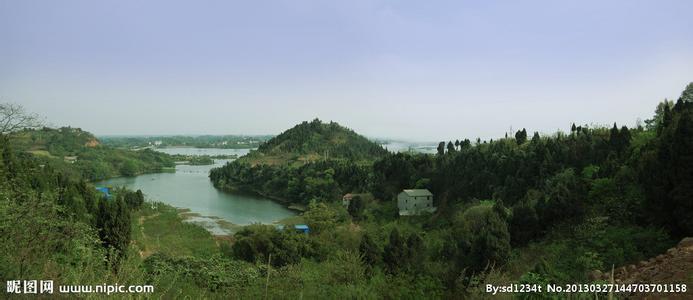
x=85 y=154
x=315 y=140
x=312 y=160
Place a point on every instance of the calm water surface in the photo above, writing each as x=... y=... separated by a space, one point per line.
x=190 y=187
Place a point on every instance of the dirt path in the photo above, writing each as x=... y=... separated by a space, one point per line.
x=144 y=253
x=673 y=267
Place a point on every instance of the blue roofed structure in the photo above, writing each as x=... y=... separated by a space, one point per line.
x=105 y=191
x=302 y=228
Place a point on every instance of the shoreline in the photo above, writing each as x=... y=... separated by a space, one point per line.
x=296 y=207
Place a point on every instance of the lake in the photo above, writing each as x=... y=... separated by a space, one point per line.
x=189 y=187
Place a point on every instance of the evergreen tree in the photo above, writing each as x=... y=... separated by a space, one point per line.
x=356 y=207
x=536 y=138
x=441 y=148
x=414 y=253
x=495 y=240
x=500 y=210
x=687 y=94
x=521 y=136
x=681 y=173
x=524 y=224
x=451 y=147
x=615 y=139
x=394 y=253
x=369 y=250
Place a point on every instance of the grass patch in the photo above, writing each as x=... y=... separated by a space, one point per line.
x=159 y=228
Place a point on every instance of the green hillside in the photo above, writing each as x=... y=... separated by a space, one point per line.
x=85 y=154
x=315 y=140
x=311 y=161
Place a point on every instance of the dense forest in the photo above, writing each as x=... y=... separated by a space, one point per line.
x=315 y=140
x=86 y=156
x=311 y=161
x=529 y=208
x=57 y=227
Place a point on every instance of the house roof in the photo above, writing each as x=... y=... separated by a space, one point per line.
x=418 y=192
x=301 y=226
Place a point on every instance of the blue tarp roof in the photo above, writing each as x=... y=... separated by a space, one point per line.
x=301 y=226
x=104 y=190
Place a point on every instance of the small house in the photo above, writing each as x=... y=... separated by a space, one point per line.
x=414 y=202
x=70 y=159
x=105 y=191
x=347 y=199
x=302 y=228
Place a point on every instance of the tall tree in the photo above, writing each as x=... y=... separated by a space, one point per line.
x=441 y=148
x=369 y=250
x=393 y=255
x=13 y=117
x=356 y=207
x=521 y=136
x=451 y=147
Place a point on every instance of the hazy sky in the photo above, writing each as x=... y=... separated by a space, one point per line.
x=419 y=70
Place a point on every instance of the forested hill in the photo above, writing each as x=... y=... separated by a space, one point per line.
x=85 y=154
x=63 y=141
x=315 y=140
x=311 y=161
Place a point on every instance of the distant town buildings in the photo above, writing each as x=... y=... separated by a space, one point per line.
x=414 y=202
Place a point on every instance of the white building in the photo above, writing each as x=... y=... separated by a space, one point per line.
x=347 y=199
x=414 y=202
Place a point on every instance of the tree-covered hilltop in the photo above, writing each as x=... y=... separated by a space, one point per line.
x=85 y=154
x=311 y=161
x=315 y=140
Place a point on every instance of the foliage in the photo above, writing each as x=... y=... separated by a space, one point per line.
x=80 y=155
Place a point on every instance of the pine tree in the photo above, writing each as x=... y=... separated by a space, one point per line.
x=500 y=210
x=536 y=138
x=521 y=136
x=441 y=148
x=681 y=173
x=615 y=139
x=356 y=207
x=451 y=147
x=414 y=253
x=369 y=250
x=524 y=224
x=394 y=252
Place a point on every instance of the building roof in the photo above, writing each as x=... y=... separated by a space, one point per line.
x=418 y=192
x=301 y=226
